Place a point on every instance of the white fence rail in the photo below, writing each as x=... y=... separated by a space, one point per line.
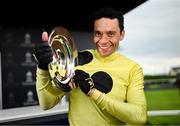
x=164 y=113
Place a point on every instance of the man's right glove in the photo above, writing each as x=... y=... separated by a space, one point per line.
x=43 y=55
x=99 y=80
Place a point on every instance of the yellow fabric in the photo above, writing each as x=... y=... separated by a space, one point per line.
x=124 y=104
x=47 y=92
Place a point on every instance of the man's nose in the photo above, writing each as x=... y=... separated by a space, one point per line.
x=103 y=39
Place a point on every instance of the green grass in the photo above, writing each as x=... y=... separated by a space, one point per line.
x=164 y=120
x=168 y=99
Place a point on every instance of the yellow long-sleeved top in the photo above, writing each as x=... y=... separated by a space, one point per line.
x=124 y=104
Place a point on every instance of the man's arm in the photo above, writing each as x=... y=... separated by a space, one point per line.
x=134 y=111
x=48 y=94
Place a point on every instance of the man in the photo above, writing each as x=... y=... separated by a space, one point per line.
x=107 y=90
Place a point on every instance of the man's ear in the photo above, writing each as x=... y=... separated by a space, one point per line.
x=122 y=34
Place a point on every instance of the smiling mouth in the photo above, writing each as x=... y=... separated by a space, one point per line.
x=104 y=47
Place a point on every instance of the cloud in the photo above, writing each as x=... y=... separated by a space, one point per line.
x=157 y=65
x=152 y=31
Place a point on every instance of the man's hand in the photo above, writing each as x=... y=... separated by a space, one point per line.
x=82 y=79
x=99 y=80
x=42 y=53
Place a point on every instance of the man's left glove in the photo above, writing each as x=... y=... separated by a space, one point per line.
x=82 y=79
x=99 y=80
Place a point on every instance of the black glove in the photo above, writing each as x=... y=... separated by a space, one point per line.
x=43 y=55
x=99 y=80
x=82 y=79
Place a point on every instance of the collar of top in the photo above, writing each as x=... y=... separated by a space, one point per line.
x=109 y=58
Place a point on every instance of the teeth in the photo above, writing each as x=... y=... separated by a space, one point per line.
x=104 y=47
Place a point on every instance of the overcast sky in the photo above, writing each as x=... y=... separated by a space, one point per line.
x=153 y=35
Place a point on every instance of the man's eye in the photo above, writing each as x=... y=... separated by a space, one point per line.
x=97 y=34
x=110 y=34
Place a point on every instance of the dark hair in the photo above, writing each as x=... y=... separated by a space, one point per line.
x=109 y=13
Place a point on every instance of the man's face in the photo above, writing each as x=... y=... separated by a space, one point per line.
x=107 y=35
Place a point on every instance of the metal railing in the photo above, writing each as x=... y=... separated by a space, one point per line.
x=164 y=113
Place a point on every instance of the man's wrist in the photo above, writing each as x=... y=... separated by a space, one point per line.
x=97 y=96
x=91 y=91
x=43 y=66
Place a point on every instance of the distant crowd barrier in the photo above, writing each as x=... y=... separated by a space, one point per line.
x=160 y=81
x=159 y=84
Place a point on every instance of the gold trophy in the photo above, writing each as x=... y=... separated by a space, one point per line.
x=65 y=55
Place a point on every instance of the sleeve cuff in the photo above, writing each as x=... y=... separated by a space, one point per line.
x=97 y=96
x=42 y=72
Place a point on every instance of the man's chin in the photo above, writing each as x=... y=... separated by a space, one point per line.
x=103 y=53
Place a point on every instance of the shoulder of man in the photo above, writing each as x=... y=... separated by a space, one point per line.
x=129 y=61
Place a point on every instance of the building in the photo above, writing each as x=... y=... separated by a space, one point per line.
x=174 y=71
